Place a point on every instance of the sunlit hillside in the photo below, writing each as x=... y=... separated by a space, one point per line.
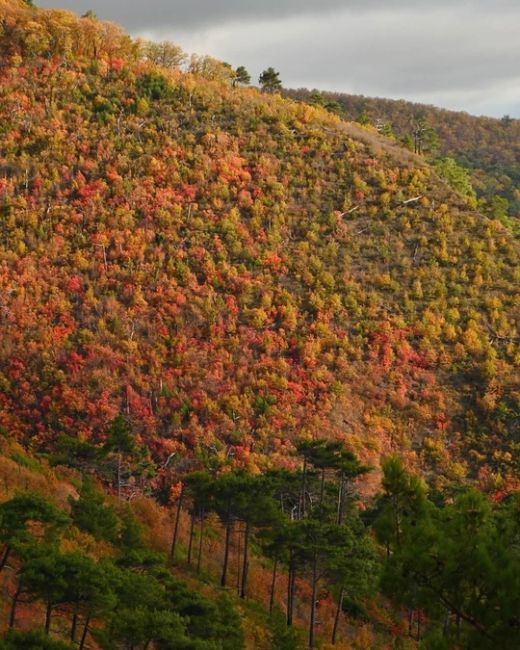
x=201 y=277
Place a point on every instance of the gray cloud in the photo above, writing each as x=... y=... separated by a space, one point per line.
x=461 y=54
x=136 y=14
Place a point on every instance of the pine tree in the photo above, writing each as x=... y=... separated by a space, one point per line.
x=90 y=514
x=119 y=442
x=270 y=80
x=16 y=516
x=199 y=486
x=42 y=576
x=87 y=590
x=242 y=77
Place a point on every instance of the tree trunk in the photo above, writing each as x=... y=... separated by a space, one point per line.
x=201 y=532
x=74 y=627
x=273 y=586
x=245 y=566
x=290 y=590
x=322 y=488
x=85 y=632
x=397 y=523
x=12 y=616
x=293 y=589
x=190 y=545
x=289 y=596
x=5 y=557
x=304 y=489
x=119 y=461
x=339 y=609
x=239 y=557
x=312 y=622
x=176 y=526
x=48 y=616
x=339 y=514
x=223 y=579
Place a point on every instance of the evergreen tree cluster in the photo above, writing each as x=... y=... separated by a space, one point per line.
x=126 y=599
x=452 y=561
x=449 y=561
x=305 y=521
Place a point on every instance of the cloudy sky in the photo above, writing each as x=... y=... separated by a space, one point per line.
x=459 y=54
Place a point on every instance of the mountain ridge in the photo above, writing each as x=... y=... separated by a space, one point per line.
x=484 y=146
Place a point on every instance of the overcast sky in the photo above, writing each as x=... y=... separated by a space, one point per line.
x=459 y=54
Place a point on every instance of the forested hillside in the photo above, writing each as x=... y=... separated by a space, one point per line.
x=243 y=307
x=246 y=562
x=232 y=271
x=488 y=148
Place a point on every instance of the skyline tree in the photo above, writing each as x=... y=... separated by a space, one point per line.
x=242 y=77
x=269 y=80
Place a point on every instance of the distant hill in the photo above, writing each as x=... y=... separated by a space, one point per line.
x=488 y=147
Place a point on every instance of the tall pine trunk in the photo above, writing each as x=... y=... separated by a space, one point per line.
x=12 y=615
x=304 y=489
x=5 y=557
x=190 y=544
x=245 y=566
x=85 y=632
x=339 y=609
x=339 y=513
x=289 y=596
x=74 y=627
x=312 y=622
x=48 y=617
x=176 y=525
x=290 y=589
x=223 y=579
x=201 y=539
x=273 y=586
x=119 y=461
x=322 y=487
x=239 y=560
x=293 y=590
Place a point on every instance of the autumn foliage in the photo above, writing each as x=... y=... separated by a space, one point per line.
x=218 y=305
x=232 y=271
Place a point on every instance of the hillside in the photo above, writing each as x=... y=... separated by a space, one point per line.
x=488 y=148
x=237 y=326
x=115 y=553
x=233 y=271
